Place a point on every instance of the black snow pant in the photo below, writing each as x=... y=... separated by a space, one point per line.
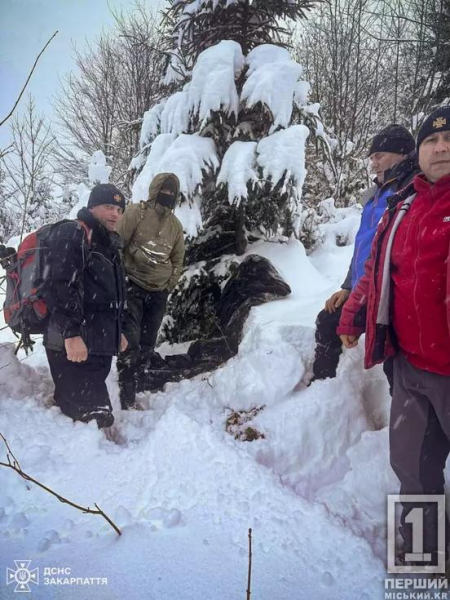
x=419 y=434
x=329 y=348
x=143 y=316
x=328 y=344
x=80 y=388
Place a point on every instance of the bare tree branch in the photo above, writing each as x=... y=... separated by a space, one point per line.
x=13 y=463
x=249 y=574
x=28 y=79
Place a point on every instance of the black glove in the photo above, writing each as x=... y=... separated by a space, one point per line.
x=6 y=254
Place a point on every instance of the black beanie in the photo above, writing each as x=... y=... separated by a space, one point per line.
x=106 y=193
x=439 y=120
x=393 y=138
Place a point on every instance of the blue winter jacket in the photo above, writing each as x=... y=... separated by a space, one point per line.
x=395 y=179
x=371 y=215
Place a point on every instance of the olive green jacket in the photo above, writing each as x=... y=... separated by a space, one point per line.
x=153 y=241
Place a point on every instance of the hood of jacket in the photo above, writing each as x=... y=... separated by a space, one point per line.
x=158 y=182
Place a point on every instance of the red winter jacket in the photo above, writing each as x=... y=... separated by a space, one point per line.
x=401 y=300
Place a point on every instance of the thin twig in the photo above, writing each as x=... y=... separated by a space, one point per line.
x=16 y=467
x=10 y=452
x=249 y=580
x=28 y=79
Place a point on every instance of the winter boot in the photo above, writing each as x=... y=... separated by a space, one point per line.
x=104 y=419
x=127 y=393
x=103 y=416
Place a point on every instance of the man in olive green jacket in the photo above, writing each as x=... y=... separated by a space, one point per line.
x=153 y=259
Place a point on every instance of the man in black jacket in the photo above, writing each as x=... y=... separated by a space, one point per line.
x=86 y=298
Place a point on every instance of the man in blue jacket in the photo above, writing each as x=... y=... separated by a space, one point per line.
x=393 y=160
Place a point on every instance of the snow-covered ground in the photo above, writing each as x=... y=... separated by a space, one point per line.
x=185 y=492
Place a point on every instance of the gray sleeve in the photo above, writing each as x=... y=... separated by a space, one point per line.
x=347 y=285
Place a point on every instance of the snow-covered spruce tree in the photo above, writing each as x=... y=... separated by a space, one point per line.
x=199 y=24
x=235 y=135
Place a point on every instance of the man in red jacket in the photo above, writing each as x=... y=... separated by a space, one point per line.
x=402 y=302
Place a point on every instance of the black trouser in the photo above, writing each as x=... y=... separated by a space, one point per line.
x=329 y=348
x=80 y=388
x=328 y=344
x=144 y=313
x=419 y=435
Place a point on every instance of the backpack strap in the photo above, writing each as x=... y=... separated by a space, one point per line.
x=143 y=206
x=87 y=239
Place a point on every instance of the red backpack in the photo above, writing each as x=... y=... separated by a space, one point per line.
x=27 y=278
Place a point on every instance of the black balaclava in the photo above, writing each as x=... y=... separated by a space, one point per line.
x=167 y=199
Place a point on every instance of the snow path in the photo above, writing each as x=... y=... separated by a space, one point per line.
x=185 y=492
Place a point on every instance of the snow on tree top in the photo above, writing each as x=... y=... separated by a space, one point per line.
x=190 y=216
x=274 y=85
x=175 y=70
x=197 y=5
x=283 y=154
x=238 y=168
x=157 y=150
x=99 y=171
x=212 y=88
x=150 y=124
x=280 y=154
x=267 y=54
x=83 y=193
x=176 y=112
x=213 y=79
x=186 y=156
x=301 y=97
x=272 y=79
x=313 y=108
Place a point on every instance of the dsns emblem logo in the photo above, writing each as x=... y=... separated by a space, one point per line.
x=22 y=576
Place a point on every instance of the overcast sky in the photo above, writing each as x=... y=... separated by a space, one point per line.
x=25 y=27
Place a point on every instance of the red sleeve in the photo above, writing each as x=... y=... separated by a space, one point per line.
x=353 y=316
x=354 y=311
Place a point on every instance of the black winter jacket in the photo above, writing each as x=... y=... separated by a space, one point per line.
x=86 y=294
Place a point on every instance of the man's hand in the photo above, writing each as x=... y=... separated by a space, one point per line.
x=349 y=341
x=336 y=300
x=76 y=349
x=123 y=343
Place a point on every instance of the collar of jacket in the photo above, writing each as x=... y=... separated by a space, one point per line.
x=161 y=211
x=421 y=184
x=100 y=234
x=401 y=172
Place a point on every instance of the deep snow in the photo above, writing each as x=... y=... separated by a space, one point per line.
x=185 y=492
